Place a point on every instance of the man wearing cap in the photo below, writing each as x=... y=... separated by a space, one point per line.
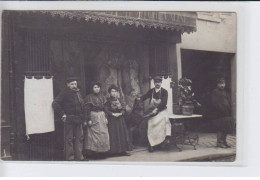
x=159 y=126
x=69 y=107
x=221 y=111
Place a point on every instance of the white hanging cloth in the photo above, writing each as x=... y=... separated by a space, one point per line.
x=166 y=84
x=38 y=97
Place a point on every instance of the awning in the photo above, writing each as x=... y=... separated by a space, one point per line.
x=173 y=21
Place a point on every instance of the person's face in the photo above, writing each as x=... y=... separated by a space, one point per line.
x=96 y=89
x=113 y=93
x=157 y=84
x=221 y=85
x=72 y=85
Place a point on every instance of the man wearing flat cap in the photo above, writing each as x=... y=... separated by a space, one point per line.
x=159 y=126
x=69 y=107
x=221 y=111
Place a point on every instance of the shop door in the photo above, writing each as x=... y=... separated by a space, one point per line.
x=203 y=68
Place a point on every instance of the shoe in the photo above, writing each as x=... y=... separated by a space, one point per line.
x=125 y=154
x=150 y=149
x=167 y=141
x=220 y=145
x=227 y=146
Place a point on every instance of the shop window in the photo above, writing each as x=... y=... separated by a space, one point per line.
x=159 y=60
x=37 y=54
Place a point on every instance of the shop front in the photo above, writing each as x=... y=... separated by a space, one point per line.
x=121 y=48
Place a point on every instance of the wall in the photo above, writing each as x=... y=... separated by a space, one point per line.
x=215 y=32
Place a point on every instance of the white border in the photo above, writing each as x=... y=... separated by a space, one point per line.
x=164 y=168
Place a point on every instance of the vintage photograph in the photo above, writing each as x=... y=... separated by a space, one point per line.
x=118 y=86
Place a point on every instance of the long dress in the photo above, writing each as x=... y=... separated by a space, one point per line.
x=118 y=133
x=96 y=136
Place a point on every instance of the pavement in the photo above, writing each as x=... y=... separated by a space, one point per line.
x=206 y=150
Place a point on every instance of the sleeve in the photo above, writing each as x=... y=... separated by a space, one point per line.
x=123 y=106
x=229 y=104
x=214 y=101
x=107 y=108
x=164 y=99
x=104 y=100
x=57 y=104
x=216 y=109
x=88 y=107
x=147 y=95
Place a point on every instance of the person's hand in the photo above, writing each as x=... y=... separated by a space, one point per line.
x=155 y=111
x=138 y=98
x=63 y=118
x=90 y=123
x=115 y=114
x=85 y=124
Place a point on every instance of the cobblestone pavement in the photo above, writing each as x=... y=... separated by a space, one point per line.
x=206 y=150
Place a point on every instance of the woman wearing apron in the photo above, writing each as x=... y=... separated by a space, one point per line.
x=159 y=126
x=96 y=140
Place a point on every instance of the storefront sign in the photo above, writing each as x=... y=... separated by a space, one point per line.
x=167 y=17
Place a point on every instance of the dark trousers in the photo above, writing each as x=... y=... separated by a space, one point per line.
x=73 y=135
x=221 y=138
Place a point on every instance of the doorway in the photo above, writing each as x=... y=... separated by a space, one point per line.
x=203 y=68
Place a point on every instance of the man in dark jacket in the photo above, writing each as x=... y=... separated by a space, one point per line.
x=69 y=106
x=221 y=109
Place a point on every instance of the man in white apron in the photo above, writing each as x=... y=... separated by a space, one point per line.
x=159 y=126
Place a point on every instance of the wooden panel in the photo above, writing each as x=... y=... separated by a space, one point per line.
x=7 y=103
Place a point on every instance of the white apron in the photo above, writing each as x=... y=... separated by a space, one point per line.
x=159 y=126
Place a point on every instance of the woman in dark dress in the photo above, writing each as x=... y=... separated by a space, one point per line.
x=96 y=137
x=118 y=135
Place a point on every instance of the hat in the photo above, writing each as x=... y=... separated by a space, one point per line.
x=220 y=80
x=112 y=87
x=96 y=83
x=70 y=79
x=157 y=79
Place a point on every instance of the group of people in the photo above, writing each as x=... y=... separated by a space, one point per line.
x=95 y=126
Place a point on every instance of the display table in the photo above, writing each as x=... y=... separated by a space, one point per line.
x=180 y=116
x=180 y=135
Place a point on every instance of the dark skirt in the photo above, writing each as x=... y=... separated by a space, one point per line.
x=118 y=135
x=223 y=124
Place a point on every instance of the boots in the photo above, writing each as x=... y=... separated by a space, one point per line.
x=150 y=148
x=220 y=142
x=225 y=141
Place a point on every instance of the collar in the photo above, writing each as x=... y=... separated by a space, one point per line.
x=73 y=90
x=157 y=90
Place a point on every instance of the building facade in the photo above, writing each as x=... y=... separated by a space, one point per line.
x=122 y=48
